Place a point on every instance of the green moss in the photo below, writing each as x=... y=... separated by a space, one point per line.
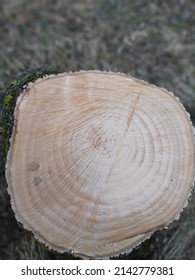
x=8 y=101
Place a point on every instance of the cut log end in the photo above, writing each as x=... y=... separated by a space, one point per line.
x=98 y=161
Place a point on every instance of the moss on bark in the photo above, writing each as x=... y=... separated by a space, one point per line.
x=8 y=101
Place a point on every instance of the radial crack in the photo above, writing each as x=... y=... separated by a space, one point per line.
x=130 y=116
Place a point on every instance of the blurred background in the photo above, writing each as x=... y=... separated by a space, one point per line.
x=150 y=40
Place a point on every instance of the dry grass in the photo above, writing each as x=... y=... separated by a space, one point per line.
x=151 y=40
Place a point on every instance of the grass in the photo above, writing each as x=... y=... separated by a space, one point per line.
x=151 y=40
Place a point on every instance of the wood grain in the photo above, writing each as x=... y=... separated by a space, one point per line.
x=98 y=161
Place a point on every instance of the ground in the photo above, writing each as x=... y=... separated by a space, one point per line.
x=151 y=40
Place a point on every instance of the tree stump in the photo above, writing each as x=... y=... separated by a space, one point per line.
x=97 y=161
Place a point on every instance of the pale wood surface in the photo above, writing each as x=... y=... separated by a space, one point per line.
x=98 y=161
